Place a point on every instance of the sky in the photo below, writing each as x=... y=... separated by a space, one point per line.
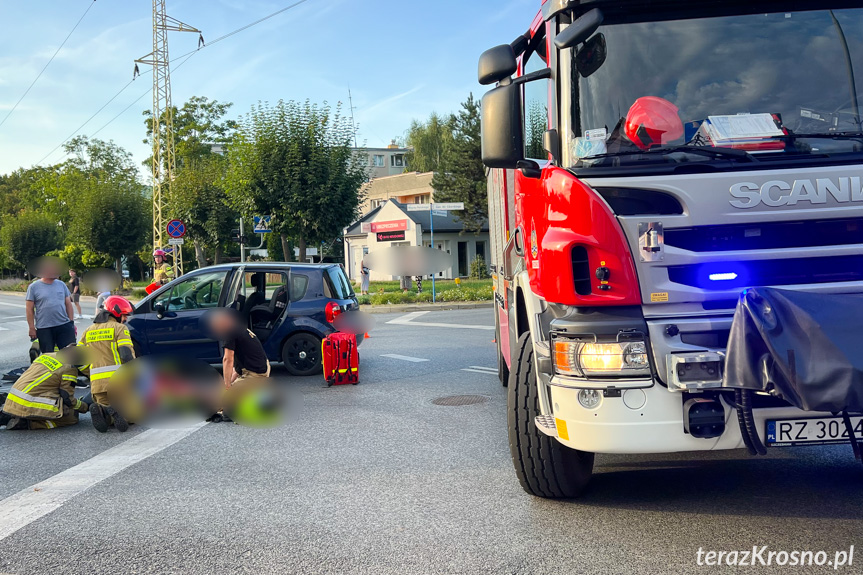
x=401 y=59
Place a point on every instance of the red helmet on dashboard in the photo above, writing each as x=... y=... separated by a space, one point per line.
x=653 y=121
x=118 y=306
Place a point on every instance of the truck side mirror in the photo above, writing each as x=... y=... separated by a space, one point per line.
x=496 y=63
x=502 y=134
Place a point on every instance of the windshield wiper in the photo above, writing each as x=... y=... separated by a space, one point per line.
x=714 y=152
x=824 y=136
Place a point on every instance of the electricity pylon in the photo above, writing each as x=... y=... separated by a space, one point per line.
x=163 y=117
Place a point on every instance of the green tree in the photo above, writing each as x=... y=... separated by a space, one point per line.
x=110 y=213
x=430 y=142
x=197 y=193
x=461 y=175
x=198 y=198
x=295 y=161
x=116 y=221
x=28 y=237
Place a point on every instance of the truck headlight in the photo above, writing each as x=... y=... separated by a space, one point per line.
x=616 y=359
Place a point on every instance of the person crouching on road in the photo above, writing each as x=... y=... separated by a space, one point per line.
x=244 y=357
x=109 y=346
x=163 y=273
x=44 y=396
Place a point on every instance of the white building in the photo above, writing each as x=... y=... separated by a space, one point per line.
x=390 y=224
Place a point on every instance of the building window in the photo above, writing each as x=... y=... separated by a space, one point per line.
x=397 y=161
x=378 y=160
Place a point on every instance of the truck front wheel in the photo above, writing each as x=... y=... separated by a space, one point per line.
x=544 y=467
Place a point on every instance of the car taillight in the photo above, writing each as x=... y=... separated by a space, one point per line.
x=333 y=310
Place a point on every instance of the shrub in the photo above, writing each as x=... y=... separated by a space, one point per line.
x=478 y=269
x=364 y=299
x=138 y=294
x=14 y=284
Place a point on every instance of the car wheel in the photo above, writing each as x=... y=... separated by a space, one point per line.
x=544 y=466
x=301 y=354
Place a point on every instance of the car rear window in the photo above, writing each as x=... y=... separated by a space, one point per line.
x=340 y=285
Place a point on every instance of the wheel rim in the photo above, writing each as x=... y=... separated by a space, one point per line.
x=302 y=353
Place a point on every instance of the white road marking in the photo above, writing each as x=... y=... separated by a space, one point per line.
x=404 y=357
x=21 y=305
x=484 y=368
x=408 y=319
x=485 y=371
x=8 y=324
x=28 y=505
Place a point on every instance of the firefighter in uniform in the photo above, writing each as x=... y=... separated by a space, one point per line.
x=109 y=346
x=163 y=273
x=44 y=395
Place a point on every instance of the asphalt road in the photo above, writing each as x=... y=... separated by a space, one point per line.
x=377 y=479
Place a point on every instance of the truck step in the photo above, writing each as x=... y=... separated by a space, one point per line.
x=546 y=424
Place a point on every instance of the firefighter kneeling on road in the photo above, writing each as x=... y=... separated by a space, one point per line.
x=44 y=395
x=163 y=273
x=109 y=346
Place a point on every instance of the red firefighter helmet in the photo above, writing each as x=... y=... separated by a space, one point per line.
x=653 y=121
x=162 y=253
x=118 y=306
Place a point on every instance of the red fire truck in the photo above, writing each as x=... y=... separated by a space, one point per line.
x=650 y=160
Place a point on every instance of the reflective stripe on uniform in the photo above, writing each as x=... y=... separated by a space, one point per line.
x=28 y=400
x=37 y=381
x=70 y=378
x=50 y=424
x=124 y=342
x=106 y=372
x=116 y=353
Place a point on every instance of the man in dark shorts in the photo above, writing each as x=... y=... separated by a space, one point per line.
x=50 y=316
x=75 y=291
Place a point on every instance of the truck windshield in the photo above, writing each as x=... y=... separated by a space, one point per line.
x=796 y=67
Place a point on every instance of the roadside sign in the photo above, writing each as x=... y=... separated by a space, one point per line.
x=448 y=206
x=390 y=236
x=176 y=229
x=365 y=227
x=389 y=226
x=263 y=225
x=438 y=213
x=419 y=207
x=176 y=241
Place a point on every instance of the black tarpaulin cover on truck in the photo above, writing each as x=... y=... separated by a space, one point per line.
x=803 y=347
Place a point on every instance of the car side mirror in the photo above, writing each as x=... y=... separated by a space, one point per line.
x=160 y=310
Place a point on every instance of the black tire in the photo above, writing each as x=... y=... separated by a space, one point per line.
x=544 y=467
x=301 y=355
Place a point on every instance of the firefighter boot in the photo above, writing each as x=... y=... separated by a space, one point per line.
x=118 y=420
x=97 y=416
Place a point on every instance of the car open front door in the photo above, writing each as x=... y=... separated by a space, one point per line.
x=174 y=322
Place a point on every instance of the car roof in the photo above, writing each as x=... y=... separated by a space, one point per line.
x=266 y=265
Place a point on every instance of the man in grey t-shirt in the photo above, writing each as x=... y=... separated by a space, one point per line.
x=49 y=312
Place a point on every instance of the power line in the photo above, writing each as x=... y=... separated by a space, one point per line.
x=187 y=56
x=72 y=135
x=33 y=83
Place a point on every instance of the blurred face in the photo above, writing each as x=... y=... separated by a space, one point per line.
x=222 y=323
x=160 y=260
x=72 y=273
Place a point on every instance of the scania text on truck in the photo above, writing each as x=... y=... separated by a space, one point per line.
x=649 y=161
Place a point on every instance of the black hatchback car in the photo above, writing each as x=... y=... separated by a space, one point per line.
x=290 y=307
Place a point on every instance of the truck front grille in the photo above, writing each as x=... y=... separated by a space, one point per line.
x=765 y=236
x=795 y=271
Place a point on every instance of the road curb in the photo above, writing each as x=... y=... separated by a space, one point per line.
x=401 y=308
